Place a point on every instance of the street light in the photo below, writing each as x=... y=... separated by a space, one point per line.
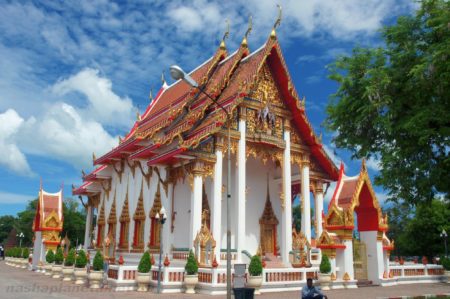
x=177 y=73
x=444 y=236
x=161 y=219
x=21 y=235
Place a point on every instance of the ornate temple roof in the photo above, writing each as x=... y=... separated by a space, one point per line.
x=49 y=211
x=180 y=117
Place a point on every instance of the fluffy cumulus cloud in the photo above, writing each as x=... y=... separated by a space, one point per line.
x=11 y=157
x=63 y=131
x=103 y=104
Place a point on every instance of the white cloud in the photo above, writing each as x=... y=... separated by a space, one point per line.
x=373 y=163
x=63 y=131
x=11 y=157
x=13 y=198
x=65 y=134
x=104 y=105
x=331 y=153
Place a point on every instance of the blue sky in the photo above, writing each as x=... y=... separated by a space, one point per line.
x=73 y=74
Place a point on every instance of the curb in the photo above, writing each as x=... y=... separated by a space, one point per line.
x=418 y=297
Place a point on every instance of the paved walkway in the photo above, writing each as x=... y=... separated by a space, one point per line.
x=23 y=284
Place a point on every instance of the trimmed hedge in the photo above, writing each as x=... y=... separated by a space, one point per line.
x=98 y=261
x=81 y=260
x=70 y=258
x=50 y=257
x=255 y=268
x=325 y=266
x=59 y=256
x=191 y=264
x=25 y=253
x=145 y=264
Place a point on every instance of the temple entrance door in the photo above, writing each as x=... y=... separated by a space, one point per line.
x=268 y=239
x=359 y=260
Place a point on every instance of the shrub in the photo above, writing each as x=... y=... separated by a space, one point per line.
x=445 y=262
x=59 y=256
x=145 y=264
x=81 y=260
x=325 y=266
x=191 y=264
x=255 y=268
x=25 y=253
x=70 y=258
x=50 y=257
x=98 y=261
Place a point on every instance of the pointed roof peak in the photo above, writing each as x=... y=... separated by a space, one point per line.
x=225 y=36
x=244 y=42
x=277 y=23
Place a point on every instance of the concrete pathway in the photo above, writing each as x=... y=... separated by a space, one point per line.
x=23 y=284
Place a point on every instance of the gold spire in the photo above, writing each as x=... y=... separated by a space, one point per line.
x=93 y=156
x=138 y=116
x=120 y=140
x=151 y=95
x=277 y=23
x=225 y=35
x=249 y=29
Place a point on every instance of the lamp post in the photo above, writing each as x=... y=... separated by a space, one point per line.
x=21 y=235
x=177 y=73
x=161 y=219
x=445 y=236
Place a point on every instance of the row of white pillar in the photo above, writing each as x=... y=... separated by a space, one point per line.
x=240 y=213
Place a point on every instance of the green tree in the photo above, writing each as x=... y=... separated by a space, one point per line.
x=6 y=225
x=421 y=235
x=24 y=223
x=393 y=103
x=74 y=221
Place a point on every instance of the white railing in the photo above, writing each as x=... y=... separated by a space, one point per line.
x=288 y=275
x=416 y=270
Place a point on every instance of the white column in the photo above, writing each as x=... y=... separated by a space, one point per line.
x=348 y=259
x=318 y=207
x=88 y=229
x=241 y=184
x=216 y=207
x=166 y=233
x=286 y=215
x=196 y=205
x=306 y=204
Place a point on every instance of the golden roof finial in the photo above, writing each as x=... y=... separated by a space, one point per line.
x=151 y=94
x=249 y=29
x=93 y=157
x=277 y=22
x=83 y=173
x=138 y=116
x=225 y=35
x=120 y=140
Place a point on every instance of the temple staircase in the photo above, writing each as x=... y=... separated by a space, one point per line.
x=273 y=261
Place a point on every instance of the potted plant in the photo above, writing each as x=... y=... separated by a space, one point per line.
x=67 y=270
x=143 y=273
x=255 y=269
x=96 y=275
x=191 y=277
x=57 y=267
x=324 y=275
x=80 y=271
x=25 y=256
x=50 y=259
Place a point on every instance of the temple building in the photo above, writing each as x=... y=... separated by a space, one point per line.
x=174 y=157
x=47 y=224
